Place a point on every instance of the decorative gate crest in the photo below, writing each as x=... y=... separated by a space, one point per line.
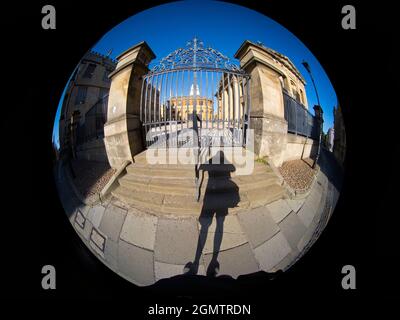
x=195 y=55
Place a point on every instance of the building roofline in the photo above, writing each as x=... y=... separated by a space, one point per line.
x=103 y=56
x=282 y=58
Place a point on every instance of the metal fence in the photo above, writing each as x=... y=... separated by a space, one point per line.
x=93 y=126
x=195 y=89
x=300 y=120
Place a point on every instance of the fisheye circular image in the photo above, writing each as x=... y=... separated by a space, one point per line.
x=205 y=148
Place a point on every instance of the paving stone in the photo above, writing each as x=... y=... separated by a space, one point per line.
x=79 y=219
x=314 y=197
x=176 y=240
x=295 y=204
x=279 y=210
x=98 y=241
x=307 y=236
x=95 y=215
x=235 y=262
x=85 y=232
x=323 y=208
x=111 y=254
x=230 y=225
x=139 y=229
x=271 y=252
x=231 y=237
x=306 y=214
x=258 y=225
x=286 y=261
x=136 y=263
x=167 y=270
x=111 y=223
x=228 y=241
x=322 y=178
x=313 y=201
x=84 y=209
x=293 y=229
x=72 y=218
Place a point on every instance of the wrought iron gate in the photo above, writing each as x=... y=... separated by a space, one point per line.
x=195 y=90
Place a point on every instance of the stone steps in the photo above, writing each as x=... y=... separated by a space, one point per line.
x=187 y=186
x=186 y=171
x=232 y=202
x=170 y=188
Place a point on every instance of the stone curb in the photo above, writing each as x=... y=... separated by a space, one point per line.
x=112 y=183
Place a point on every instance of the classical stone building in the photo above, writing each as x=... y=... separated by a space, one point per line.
x=284 y=128
x=230 y=98
x=182 y=106
x=84 y=107
x=339 y=144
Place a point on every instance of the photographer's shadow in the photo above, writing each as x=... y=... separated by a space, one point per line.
x=221 y=194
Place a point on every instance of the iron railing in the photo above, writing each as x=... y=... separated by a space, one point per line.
x=195 y=89
x=93 y=126
x=300 y=120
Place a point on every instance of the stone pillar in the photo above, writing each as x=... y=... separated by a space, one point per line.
x=267 y=108
x=236 y=101
x=230 y=102
x=225 y=109
x=123 y=130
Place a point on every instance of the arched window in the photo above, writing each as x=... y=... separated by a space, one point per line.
x=302 y=98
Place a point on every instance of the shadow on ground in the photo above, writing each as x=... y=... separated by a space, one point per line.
x=216 y=203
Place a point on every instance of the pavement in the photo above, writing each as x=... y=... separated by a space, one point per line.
x=145 y=248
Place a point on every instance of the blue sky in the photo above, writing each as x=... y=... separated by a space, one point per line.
x=222 y=26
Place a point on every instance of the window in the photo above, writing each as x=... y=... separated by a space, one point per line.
x=81 y=95
x=89 y=71
x=103 y=92
x=296 y=95
x=105 y=75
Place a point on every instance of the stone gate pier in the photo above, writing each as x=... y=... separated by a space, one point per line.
x=272 y=74
x=123 y=131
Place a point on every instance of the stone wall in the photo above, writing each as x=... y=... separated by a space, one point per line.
x=298 y=147
x=93 y=150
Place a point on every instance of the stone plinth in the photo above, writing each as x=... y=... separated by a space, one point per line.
x=123 y=131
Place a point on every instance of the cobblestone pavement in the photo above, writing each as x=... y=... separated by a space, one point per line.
x=91 y=176
x=298 y=173
x=144 y=248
